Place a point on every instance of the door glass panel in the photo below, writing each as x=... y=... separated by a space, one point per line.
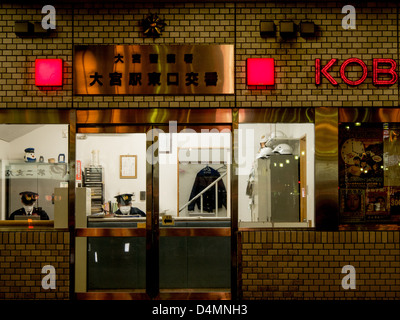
x=195 y=195
x=112 y=165
x=111 y=189
x=192 y=163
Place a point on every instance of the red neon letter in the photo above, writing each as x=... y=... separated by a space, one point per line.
x=390 y=71
x=343 y=74
x=324 y=71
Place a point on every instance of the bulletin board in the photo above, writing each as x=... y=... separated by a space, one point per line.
x=127 y=166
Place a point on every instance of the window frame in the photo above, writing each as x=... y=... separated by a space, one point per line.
x=14 y=116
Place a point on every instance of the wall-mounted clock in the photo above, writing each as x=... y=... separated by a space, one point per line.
x=153 y=26
x=351 y=148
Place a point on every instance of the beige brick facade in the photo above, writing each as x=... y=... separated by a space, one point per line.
x=308 y=264
x=207 y=23
x=23 y=254
x=273 y=264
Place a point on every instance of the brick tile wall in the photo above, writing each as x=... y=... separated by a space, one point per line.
x=113 y=23
x=375 y=37
x=23 y=254
x=308 y=264
x=18 y=54
x=187 y=23
x=237 y=23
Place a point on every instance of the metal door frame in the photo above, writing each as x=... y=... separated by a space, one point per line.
x=53 y=116
x=130 y=120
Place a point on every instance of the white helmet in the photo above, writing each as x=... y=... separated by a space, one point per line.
x=273 y=136
x=264 y=153
x=283 y=148
x=263 y=139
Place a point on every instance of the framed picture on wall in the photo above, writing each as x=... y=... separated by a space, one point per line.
x=352 y=205
x=361 y=156
x=127 y=167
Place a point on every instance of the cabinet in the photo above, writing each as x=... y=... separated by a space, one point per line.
x=93 y=179
x=276 y=189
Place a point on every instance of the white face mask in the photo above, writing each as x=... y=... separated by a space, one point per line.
x=28 y=209
x=125 y=209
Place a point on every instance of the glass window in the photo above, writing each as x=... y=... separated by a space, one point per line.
x=276 y=174
x=112 y=167
x=195 y=169
x=369 y=173
x=33 y=171
x=195 y=192
x=111 y=193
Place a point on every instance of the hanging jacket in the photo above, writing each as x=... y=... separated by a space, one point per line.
x=204 y=178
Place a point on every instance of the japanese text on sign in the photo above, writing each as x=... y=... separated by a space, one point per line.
x=154 y=69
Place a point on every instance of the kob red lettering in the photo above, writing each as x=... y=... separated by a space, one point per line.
x=324 y=71
x=391 y=71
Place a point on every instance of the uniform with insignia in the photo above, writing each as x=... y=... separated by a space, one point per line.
x=28 y=198
x=124 y=200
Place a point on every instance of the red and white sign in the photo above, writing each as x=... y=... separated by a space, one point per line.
x=78 y=170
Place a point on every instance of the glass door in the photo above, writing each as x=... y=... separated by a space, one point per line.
x=194 y=205
x=112 y=209
x=176 y=173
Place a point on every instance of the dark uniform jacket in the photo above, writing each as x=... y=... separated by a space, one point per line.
x=36 y=211
x=134 y=212
x=204 y=178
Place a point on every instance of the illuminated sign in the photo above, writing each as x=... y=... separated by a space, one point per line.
x=380 y=68
x=48 y=72
x=260 y=72
x=153 y=69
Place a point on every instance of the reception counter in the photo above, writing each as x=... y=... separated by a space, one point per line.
x=26 y=224
x=178 y=222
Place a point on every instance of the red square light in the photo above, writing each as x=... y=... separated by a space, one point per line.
x=260 y=72
x=48 y=72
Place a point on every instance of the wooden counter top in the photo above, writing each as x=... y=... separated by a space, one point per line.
x=26 y=224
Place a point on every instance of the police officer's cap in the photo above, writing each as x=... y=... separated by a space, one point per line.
x=28 y=197
x=124 y=199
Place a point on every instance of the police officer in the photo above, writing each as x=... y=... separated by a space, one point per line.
x=28 y=199
x=125 y=206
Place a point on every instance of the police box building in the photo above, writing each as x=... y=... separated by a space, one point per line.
x=229 y=150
